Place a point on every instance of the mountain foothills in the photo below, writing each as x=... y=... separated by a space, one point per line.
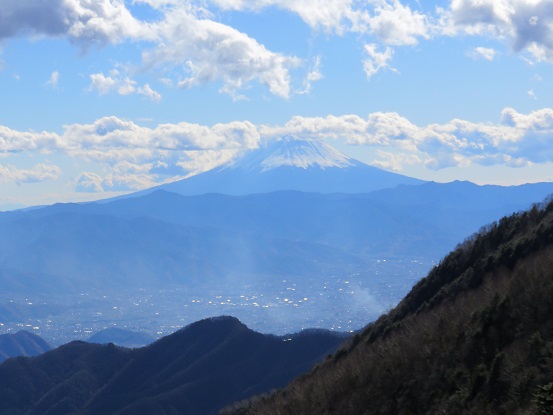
x=473 y=337
x=165 y=238
x=196 y=370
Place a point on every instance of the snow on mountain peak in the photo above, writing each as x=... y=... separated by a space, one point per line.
x=294 y=153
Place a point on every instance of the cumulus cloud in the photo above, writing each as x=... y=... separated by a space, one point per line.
x=136 y=156
x=204 y=51
x=525 y=25
x=101 y=83
x=121 y=84
x=13 y=141
x=39 y=173
x=111 y=139
x=396 y=24
x=210 y=51
x=376 y=61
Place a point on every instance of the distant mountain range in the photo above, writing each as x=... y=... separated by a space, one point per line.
x=22 y=343
x=196 y=370
x=165 y=238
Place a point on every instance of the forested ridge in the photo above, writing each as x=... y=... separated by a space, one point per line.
x=473 y=337
x=194 y=371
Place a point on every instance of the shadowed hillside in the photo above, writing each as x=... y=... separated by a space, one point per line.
x=473 y=337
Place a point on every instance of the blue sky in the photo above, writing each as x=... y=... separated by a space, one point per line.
x=109 y=96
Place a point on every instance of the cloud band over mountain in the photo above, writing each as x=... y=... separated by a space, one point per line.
x=137 y=157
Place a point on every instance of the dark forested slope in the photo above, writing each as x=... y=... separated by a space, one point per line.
x=473 y=337
x=196 y=370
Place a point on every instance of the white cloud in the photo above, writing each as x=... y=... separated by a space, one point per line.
x=39 y=173
x=101 y=83
x=136 y=156
x=12 y=141
x=377 y=61
x=483 y=53
x=213 y=52
x=396 y=24
x=148 y=92
x=54 y=79
x=112 y=139
x=121 y=84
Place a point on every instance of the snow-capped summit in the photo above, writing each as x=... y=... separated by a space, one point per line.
x=294 y=153
x=290 y=164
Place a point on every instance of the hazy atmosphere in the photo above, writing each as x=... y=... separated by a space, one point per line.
x=234 y=207
x=105 y=97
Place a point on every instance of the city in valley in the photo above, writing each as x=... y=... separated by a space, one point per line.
x=342 y=303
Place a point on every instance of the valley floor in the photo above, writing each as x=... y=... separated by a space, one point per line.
x=281 y=306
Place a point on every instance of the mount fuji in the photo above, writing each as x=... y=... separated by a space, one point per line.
x=290 y=164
